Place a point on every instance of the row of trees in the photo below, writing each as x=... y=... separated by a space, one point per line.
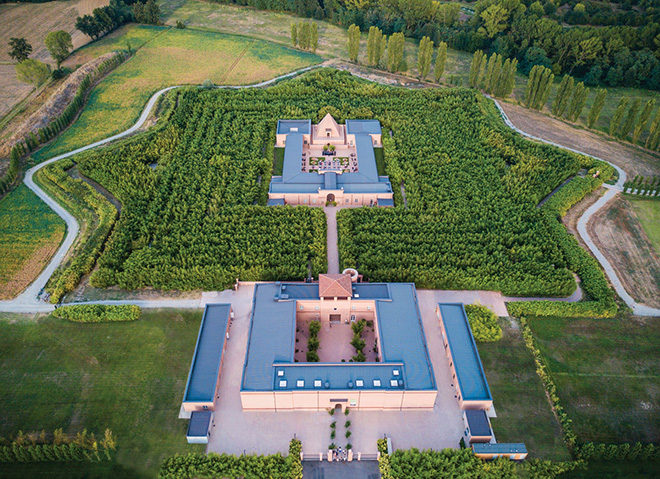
x=305 y=35
x=105 y=19
x=492 y=75
x=58 y=447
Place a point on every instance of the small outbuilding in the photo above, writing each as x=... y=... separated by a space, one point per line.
x=515 y=451
x=199 y=427
x=477 y=426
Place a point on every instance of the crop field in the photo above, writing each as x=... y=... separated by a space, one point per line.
x=607 y=374
x=171 y=57
x=126 y=377
x=30 y=233
x=523 y=410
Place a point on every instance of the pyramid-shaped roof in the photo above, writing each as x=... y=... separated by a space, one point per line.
x=335 y=286
x=329 y=123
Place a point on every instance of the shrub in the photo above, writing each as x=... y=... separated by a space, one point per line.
x=347 y=424
x=98 y=313
x=333 y=434
x=349 y=446
x=312 y=357
x=333 y=424
x=347 y=412
x=483 y=323
x=313 y=344
x=348 y=434
x=314 y=328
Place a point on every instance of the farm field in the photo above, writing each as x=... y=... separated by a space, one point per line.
x=618 y=231
x=33 y=21
x=648 y=213
x=523 y=411
x=30 y=233
x=606 y=373
x=170 y=57
x=128 y=377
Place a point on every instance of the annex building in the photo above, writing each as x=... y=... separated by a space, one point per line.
x=329 y=162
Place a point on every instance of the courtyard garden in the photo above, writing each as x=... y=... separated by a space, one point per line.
x=330 y=163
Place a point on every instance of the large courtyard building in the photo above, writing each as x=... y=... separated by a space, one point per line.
x=329 y=162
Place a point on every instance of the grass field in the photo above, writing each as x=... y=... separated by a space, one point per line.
x=127 y=377
x=607 y=373
x=523 y=411
x=170 y=57
x=30 y=233
x=648 y=213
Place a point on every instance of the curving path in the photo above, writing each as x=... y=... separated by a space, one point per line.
x=27 y=302
x=637 y=308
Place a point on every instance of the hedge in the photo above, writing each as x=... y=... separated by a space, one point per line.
x=600 y=302
x=250 y=466
x=32 y=141
x=618 y=452
x=483 y=323
x=98 y=313
x=78 y=198
x=59 y=448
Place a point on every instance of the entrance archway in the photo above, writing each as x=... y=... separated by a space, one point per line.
x=330 y=197
x=338 y=407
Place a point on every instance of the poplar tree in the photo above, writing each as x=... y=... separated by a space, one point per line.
x=294 y=34
x=353 y=42
x=630 y=119
x=374 y=46
x=545 y=87
x=578 y=101
x=424 y=57
x=482 y=69
x=395 y=52
x=617 y=117
x=643 y=119
x=474 y=68
x=314 y=41
x=563 y=94
x=496 y=76
x=510 y=80
x=382 y=50
x=539 y=85
x=597 y=107
x=440 y=61
x=531 y=85
x=654 y=133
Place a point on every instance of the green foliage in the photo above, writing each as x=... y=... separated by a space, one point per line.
x=631 y=118
x=395 y=52
x=148 y=13
x=384 y=460
x=618 y=452
x=20 y=49
x=314 y=41
x=653 y=140
x=483 y=323
x=353 y=42
x=424 y=57
x=563 y=95
x=539 y=85
x=98 y=313
x=597 y=107
x=376 y=46
x=32 y=71
x=295 y=459
x=617 y=117
x=312 y=357
x=314 y=328
x=643 y=119
x=578 y=101
x=59 y=45
x=294 y=34
x=60 y=448
x=476 y=66
x=440 y=61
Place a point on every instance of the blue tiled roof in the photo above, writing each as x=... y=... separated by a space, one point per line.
x=330 y=181
x=338 y=376
x=205 y=366
x=478 y=422
x=469 y=371
x=199 y=424
x=499 y=448
x=286 y=126
x=371 y=127
x=272 y=339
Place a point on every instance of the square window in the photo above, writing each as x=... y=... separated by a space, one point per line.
x=302 y=307
x=368 y=308
x=395 y=372
x=316 y=308
x=300 y=383
x=317 y=383
x=280 y=372
x=359 y=383
x=394 y=383
x=376 y=383
x=283 y=383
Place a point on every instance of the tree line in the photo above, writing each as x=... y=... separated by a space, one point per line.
x=305 y=35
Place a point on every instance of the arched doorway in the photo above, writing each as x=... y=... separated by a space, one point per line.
x=338 y=407
x=330 y=197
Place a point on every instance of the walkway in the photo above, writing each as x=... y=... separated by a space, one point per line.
x=333 y=252
x=341 y=470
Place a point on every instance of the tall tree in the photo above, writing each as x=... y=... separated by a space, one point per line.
x=374 y=41
x=643 y=119
x=382 y=51
x=474 y=68
x=508 y=78
x=617 y=117
x=495 y=20
x=482 y=69
x=440 y=61
x=630 y=119
x=20 y=49
x=490 y=67
x=353 y=42
x=539 y=85
x=578 y=101
x=597 y=107
x=32 y=71
x=59 y=45
x=563 y=95
x=424 y=57
x=314 y=40
x=395 y=52
x=294 y=34
x=654 y=133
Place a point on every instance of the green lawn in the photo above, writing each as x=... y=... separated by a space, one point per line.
x=170 y=57
x=523 y=410
x=129 y=377
x=607 y=373
x=30 y=233
x=278 y=161
x=648 y=213
x=617 y=470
